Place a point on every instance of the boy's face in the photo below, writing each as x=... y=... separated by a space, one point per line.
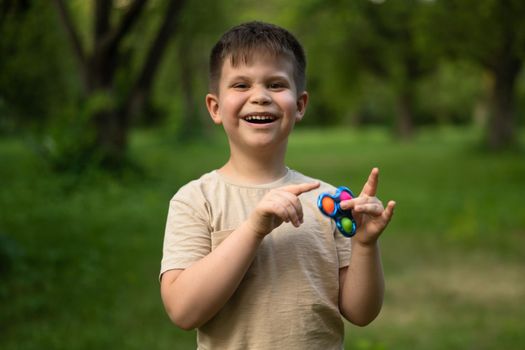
x=257 y=103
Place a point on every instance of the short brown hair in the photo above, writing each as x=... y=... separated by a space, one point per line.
x=240 y=42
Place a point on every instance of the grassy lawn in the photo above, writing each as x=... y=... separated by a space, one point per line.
x=79 y=257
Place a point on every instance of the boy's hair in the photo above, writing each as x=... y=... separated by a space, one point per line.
x=240 y=43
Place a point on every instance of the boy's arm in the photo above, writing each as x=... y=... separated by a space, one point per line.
x=362 y=282
x=194 y=295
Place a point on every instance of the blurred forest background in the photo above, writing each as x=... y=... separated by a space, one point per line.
x=102 y=119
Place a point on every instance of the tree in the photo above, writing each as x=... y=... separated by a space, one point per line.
x=205 y=20
x=34 y=83
x=101 y=64
x=392 y=46
x=490 y=33
x=384 y=39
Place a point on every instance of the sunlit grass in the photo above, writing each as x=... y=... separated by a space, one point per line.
x=85 y=252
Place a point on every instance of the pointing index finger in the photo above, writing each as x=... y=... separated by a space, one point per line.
x=370 y=187
x=301 y=188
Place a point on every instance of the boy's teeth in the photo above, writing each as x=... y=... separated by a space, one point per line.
x=259 y=118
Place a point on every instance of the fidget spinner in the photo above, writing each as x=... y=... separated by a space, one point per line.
x=329 y=205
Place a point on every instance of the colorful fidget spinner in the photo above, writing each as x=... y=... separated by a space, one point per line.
x=329 y=206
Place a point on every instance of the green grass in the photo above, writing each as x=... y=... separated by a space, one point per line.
x=79 y=257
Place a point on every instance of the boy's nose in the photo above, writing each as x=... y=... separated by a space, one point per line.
x=260 y=96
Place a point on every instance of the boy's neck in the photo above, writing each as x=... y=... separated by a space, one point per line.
x=252 y=170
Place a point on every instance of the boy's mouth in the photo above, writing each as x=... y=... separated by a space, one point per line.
x=259 y=118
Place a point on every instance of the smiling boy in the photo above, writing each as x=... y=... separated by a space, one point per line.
x=248 y=259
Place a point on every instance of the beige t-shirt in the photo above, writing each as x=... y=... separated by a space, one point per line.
x=288 y=298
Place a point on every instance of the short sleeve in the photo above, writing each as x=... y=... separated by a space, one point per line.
x=187 y=233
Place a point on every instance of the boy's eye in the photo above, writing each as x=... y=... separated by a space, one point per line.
x=240 y=86
x=277 y=86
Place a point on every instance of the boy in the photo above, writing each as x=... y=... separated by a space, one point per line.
x=249 y=260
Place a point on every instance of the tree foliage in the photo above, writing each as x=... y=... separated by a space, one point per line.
x=372 y=48
x=106 y=58
x=115 y=65
x=34 y=80
x=491 y=34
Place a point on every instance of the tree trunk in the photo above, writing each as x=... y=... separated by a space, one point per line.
x=191 y=123
x=139 y=96
x=405 y=115
x=501 y=132
x=111 y=137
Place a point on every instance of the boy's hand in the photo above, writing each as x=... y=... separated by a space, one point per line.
x=278 y=206
x=368 y=211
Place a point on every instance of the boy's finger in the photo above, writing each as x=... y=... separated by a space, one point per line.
x=350 y=203
x=301 y=188
x=363 y=199
x=370 y=187
x=287 y=212
x=293 y=206
x=389 y=210
x=373 y=209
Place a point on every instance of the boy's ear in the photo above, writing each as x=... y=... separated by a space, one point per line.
x=212 y=103
x=302 y=102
